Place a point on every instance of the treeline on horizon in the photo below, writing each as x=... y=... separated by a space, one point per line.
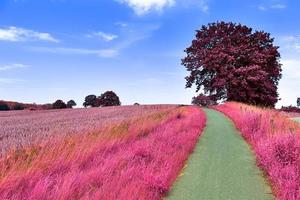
x=108 y=98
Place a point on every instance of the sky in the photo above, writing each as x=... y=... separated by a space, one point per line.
x=68 y=49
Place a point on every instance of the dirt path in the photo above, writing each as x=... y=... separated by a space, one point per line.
x=222 y=167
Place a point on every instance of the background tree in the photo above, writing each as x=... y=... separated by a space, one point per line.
x=231 y=62
x=91 y=100
x=59 y=104
x=4 y=106
x=71 y=103
x=203 y=100
x=109 y=98
x=290 y=109
x=18 y=106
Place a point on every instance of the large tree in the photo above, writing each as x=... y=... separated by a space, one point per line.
x=109 y=98
x=91 y=101
x=232 y=62
x=59 y=104
x=71 y=103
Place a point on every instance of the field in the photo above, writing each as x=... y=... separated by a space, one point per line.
x=114 y=153
x=23 y=128
x=230 y=151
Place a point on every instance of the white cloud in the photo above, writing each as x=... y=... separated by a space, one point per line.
x=144 y=6
x=106 y=53
x=121 y=24
x=289 y=45
x=104 y=36
x=262 y=8
x=278 y=6
x=15 y=34
x=12 y=66
x=270 y=4
x=204 y=6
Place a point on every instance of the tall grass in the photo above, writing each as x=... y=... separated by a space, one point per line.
x=275 y=140
x=20 y=129
x=131 y=159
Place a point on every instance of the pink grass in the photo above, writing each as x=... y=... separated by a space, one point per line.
x=20 y=129
x=133 y=159
x=275 y=140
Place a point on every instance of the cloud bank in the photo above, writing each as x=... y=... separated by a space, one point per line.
x=15 y=34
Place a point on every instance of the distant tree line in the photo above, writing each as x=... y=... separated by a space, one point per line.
x=108 y=98
x=290 y=109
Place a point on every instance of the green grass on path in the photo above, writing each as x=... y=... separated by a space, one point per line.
x=297 y=119
x=222 y=166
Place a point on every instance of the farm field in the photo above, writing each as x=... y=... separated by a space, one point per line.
x=149 y=100
x=133 y=153
x=23 y=128
x=221 y=167
x=150 y=152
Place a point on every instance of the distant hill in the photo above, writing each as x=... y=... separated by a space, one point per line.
x=25 y=106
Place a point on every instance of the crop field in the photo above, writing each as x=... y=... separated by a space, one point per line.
x=275 y=139
x=23 y=128
x=150 y=152
x=132 y=152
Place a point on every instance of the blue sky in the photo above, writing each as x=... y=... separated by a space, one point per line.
x=67 y=49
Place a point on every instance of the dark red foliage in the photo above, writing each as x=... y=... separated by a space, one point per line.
x=28 y=106
x=71 y=103
x=109 y=98
x=231 y=62
x=4 y=106
x=18 y=106
x=59 y=104
x=290 y=109
x=203 y=100
x=90 y=100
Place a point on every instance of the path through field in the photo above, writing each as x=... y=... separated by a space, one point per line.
x=297 y=119
x=221 y=167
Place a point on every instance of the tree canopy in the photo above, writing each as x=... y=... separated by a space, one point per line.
x=203 y=100
x=231 y=62
x=59 y=104
x=4 y=106
x=90 y=100
x=109 y=98
x=71 y=103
